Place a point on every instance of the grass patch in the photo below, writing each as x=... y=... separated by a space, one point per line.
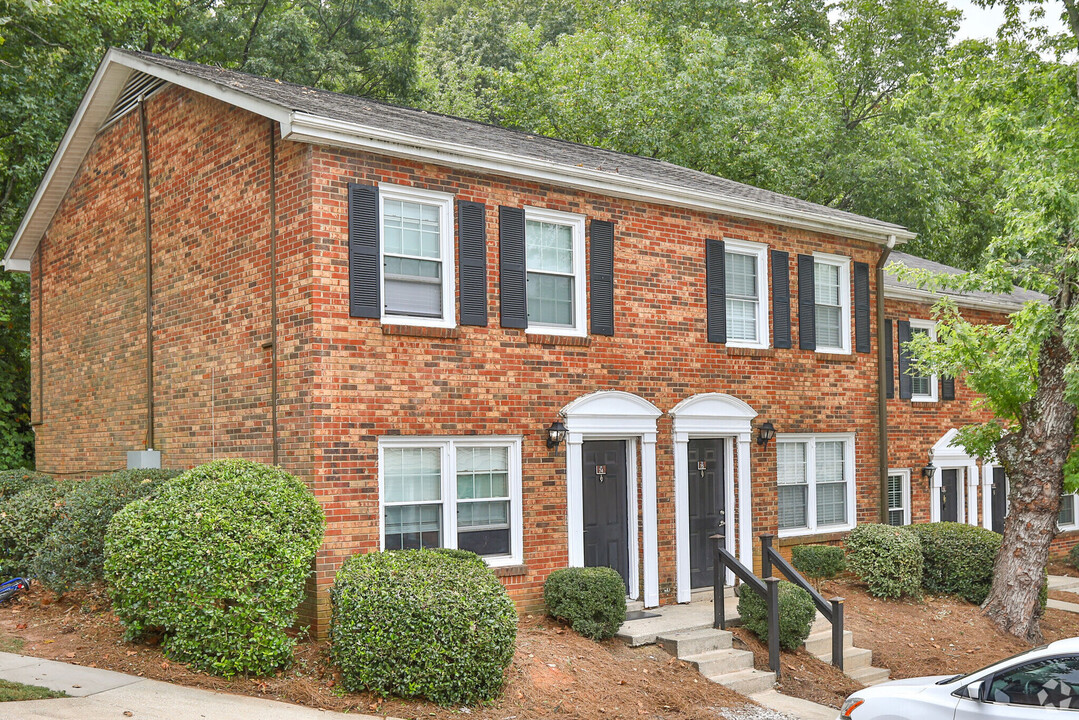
x=11 y=644
x=10 y=691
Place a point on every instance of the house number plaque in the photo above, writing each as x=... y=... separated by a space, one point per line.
x=601 y=470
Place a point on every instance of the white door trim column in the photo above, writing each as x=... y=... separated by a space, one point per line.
x=574 y=497
x=650 y=521
x=745 y=518
x=987 y=495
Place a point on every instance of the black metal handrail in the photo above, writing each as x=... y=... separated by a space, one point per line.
x=766 y=588
x=832 y=610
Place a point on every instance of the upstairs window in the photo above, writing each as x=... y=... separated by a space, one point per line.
x=746 y=284
x=831 y=286
x=923 y=388
x=554 y=271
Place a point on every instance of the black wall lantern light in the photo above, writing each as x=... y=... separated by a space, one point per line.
x=555 y=434
x=928 y=470
x=765 y=432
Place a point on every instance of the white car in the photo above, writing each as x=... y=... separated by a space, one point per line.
x=1041 y=683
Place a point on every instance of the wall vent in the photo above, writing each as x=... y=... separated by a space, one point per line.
x=138 y=85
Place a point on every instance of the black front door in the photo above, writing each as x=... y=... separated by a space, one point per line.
x=949 y=495
x=605 y=505
x=707 y=504
x=1000 y=499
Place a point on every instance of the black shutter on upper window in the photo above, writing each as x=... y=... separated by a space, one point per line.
x=889 y=360
x=807 y=304
x=862 y=341
x=363 y=252
x=472 y=261
x=715 y=271
x=781 y=299
x=947 y=388
x=903 y=332
x=512 y=278
x=601 y=280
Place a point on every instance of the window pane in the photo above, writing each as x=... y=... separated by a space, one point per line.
x=485 y=542
x=412 y=474
x=831 y=503
x=1067 y=510
x=830 y=461
x=482 y=473
x=550 y=299
x=409 y=527
x=548 y=247
x=829 y=326
x=919 y=385
x=412 y=267
x=1052 y=682
x=741 y=319
x=826 y=284
x=791 y=462
x=895 y=500
x=413 y=297
x=483 y=514
x=895 y=517
x=741 y=274
x=410 y=228
x=792 y=506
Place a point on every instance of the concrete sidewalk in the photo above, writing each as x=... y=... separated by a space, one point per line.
x=106 y=695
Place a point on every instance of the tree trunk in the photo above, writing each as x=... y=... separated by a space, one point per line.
x=1033 y=458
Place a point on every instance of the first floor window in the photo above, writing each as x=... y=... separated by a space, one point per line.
x=1066 y=518
x=455 y=493
x=898 y=493
x=815 y=482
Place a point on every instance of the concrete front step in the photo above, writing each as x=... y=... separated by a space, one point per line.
x=821 y=642
x=746 y=682
x=870 y=675
x=671 y=619
x=695 y=642
x=853 y=659
x=720 y=662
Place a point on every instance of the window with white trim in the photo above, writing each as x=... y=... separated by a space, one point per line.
x=923 y=388
x=1066 y=518
x=899 y=497
x=416 y=227
x=554 y=271
x=460 y=493
x=831 y=290
x=746 y=275
x=815 y=477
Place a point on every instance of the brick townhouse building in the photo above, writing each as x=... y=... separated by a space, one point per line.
x=461 y=335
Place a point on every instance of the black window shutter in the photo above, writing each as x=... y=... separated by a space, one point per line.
x=601 y=281
x=781 y=299
x=947 y=388
x=715 y=271
x=511 y=248
x=363 y=252
x=903 y=331
x=862 y=341
x=889 y=359
x=472 y=261
x=807 y=304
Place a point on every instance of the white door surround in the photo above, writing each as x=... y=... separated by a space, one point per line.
x=616 y=415
x=945 y=455
x=711 y=415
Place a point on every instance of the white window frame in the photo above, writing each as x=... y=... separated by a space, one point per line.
x=931 y=328
x=1075 y=513
x=904 y=475
x=843 y=263
x=576 y=223
x=448 y=447
x=444 y=202
x=760 y=252
x=811 y=441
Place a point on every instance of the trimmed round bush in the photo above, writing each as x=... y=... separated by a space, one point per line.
x=887 y=558
x=957 y=559
x=591 y=600
x=796 y=613
x=13 y=482
x=215 y=560
x=25 y=519
x=417 y=623
x=820 y=562
x=460 y=554
x=73 y=551
x=1073 y=557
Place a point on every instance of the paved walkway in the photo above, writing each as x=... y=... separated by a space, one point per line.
x=107 y=695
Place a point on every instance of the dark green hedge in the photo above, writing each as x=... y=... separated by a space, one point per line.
x=418 y=623
x=216 y=560
x=25 y=519
x=957 y=559
x=887 y=558
x=591 y=600
x=819 y=562
x=796 y=613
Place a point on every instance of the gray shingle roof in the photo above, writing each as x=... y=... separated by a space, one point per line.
x=1014 y=299
x=427 y=125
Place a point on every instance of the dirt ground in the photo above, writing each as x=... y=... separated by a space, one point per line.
x=1061 y=566
x=555 y=673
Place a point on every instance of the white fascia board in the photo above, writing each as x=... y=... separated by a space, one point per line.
x=917 y=295
x=319 y=130
x=17 y=265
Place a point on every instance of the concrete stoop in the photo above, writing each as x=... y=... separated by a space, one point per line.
x=857 y=662
x=711 y=652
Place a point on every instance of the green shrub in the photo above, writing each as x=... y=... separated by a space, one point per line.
x=887 y=558
x=216 y=561
x=73 y=551
x=796 y=613
x=13 y=482
x=25 y=520
x=592 y=600
x=1073 y=556
x=460 y=555
x=417 y=623
x=820 y=562
x=957 y=559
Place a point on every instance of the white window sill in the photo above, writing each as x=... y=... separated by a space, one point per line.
x=823 y=530
x=555 y=330
x=418 y=321
x=748 y=345
x=1067 y=528
x=923 y=399
x=502 y=561
x=833 y=351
